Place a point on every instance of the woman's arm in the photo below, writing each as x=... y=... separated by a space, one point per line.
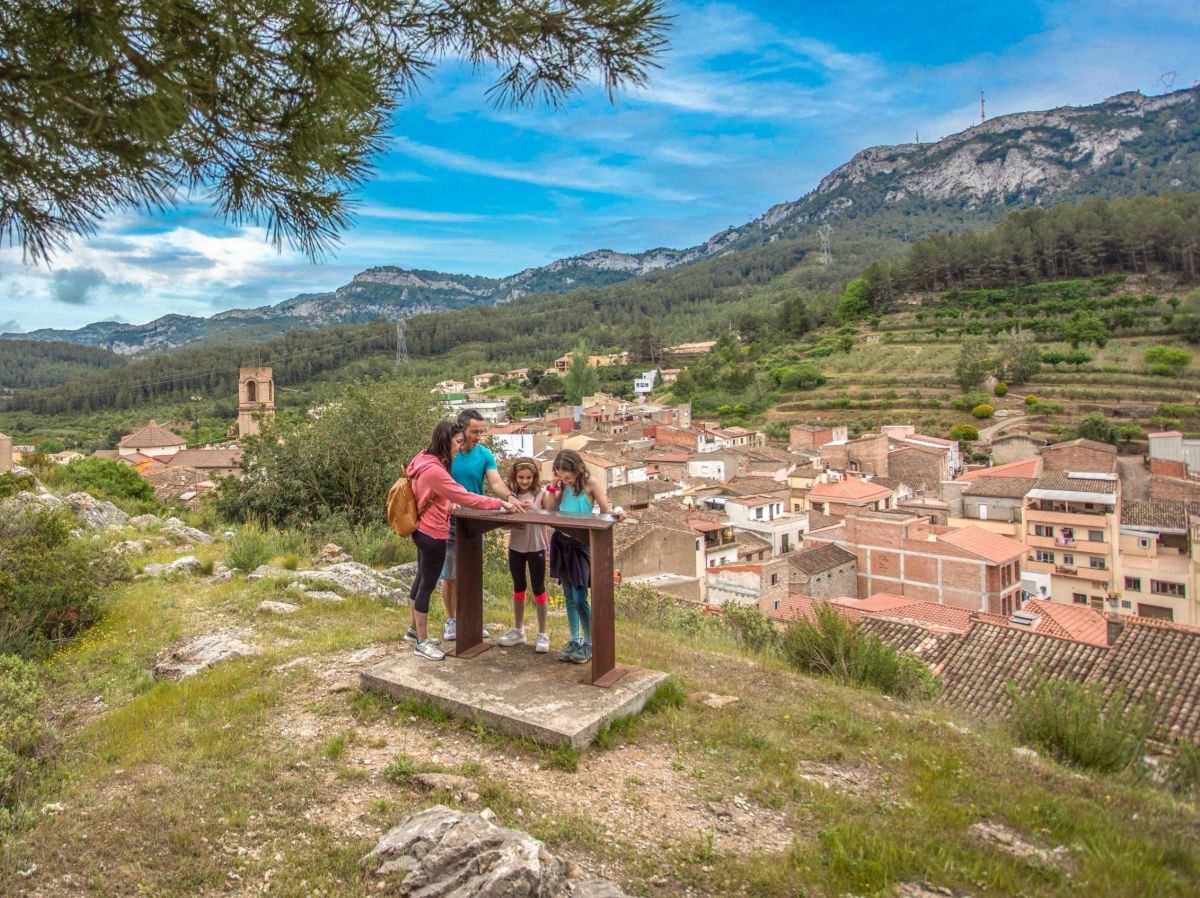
x=599 y=495
x=551 y=496
x=446 y=487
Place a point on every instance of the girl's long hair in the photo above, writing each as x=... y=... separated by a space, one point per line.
x=572 y=462
x=527 y=464
x=442 y=442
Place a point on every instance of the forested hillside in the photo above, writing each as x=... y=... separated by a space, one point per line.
x=34 y=363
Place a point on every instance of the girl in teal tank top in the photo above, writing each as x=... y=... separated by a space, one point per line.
x=573 y=490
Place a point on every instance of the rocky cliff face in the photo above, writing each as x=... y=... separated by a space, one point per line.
x=1130 y=143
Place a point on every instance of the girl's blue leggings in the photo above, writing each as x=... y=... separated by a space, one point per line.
x=579 y=612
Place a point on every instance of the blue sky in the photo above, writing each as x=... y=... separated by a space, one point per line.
x=754 y=102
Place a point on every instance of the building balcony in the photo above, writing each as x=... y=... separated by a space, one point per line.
x=1077 y=518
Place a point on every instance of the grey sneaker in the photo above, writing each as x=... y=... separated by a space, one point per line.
x=582 y=655
x=450 y=630
x=429 y=651
x=543 y=644
x=569 y=649
x=515 y=636
x=411 y=636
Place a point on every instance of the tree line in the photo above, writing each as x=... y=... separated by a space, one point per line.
x=29 y=364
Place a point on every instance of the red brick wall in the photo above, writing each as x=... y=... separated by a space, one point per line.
x=870 y=453
x=918 y=470
x=1168 y=468
x=808 y=438
x=1173 y=488
x=667 y=436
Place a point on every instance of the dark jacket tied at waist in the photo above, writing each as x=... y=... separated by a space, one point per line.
x=570 y=561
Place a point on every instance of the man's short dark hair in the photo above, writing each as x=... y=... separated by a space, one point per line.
x=467 y=415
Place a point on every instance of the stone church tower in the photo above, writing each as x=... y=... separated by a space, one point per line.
x=256 y=396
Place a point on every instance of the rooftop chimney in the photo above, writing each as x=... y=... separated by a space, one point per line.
x=1115 y=626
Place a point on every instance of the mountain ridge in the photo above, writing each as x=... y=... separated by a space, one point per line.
x=1129 y=142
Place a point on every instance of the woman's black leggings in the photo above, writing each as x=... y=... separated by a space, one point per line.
x=431 y=555
x=536 y=562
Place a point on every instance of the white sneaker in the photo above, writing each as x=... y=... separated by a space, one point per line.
x=543 y=643
x=411 y=636
x=450 y=630
x=515 y=636
x=429 y=651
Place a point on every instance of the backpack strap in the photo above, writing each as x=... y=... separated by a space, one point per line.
x=428 y=502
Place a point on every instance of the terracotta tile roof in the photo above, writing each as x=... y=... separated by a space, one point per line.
x=752 y=501
x=669 y=457
x=706 y=526
x=1063 y=483
x=206 y=458
x=1155 y=514
x=929 y=645
x=150 y=436
x=749 y=541
x=100 y=453
x=1001 y=487
x=819 y=520
x=1166 y=433
x=819 y=559
x=1028 y=467
x=1078 y=622
x=938 y=441
x=852 y=489
x=1161 y=665
x=1084 y=444
x=902 y=608
x=990 y=546
x=987 y=656
x=751 y=568
x=755 y=486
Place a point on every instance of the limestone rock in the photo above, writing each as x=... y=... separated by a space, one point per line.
x=188 y=565
x=433 y=781
x=278 y=607
x=712 y=700
x=130 y=547
x=26 y=499
x=200 y=654
x=143 y=520
x=265 y=570
x=1010 y=842
x=923 y=890
x=1025 y=754
x=331 y=553
x=357 y=579
x=323 y=595
x=223 y=577
x=96 y=514
x=451 y=854
x=181 y=532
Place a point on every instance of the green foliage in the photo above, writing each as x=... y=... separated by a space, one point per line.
x=1183 y=771
x=1130 y=431
x=983 y=410
x=25 y=739
x=252 y=546
x=856 y=301
x=803 y=376
x=12 y=483
x=831 y=645
x=973 y=364
x=1001 y=389
x=1097 y=427
x=29 y=364
x=581 y=379
x=1030 y=399
x=1187 y=322
x=968 y=401
x=279 y=109
x=1078 y=724
x=51 y=586
x=343 y=463
x=752 y=630
x=1018 y=358
x=1166 y=361
x=104 y=478
x=1077 y=357
x=1085 y=328
x=964 y=433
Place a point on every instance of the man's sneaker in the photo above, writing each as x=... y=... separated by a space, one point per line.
x=450 y=630
x=515 y=636
x=429 y=651
x=411 y=636
x=569 y=649
x=582 y=655
x=543 y=644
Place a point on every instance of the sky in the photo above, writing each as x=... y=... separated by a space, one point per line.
x=752 y=103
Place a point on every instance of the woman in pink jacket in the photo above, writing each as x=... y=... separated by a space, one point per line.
x=435 y=490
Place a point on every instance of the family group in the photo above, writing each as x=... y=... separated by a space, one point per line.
x=451 y=471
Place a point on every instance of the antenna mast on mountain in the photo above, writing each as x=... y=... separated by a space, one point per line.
x=401 y=343
x=916 y=136
x=826 y=254
x=1167 y=79
x=982 y=115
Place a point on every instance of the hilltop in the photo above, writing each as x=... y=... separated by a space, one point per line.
x=1128 y=144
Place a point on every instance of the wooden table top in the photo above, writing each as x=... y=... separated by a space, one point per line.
x=567 y=520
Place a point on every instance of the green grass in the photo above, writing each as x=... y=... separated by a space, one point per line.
x=258 y=754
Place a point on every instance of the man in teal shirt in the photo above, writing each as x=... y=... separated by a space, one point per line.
x=473 y=465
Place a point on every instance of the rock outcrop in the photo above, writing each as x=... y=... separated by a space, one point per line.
x=445 y=853
x=188 y=566
x=202 y=653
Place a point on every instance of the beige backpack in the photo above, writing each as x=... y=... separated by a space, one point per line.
x=402 y=513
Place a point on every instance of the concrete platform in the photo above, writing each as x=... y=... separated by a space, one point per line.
x=516 y=691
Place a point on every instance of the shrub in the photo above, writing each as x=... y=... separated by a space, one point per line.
x=106 y=478
x=1097 y=427
x=831 y=645
x=1001 y=389
x=983 y=410
x=1183 y=772
x=1076 y=724
x=11 y=484
x=51 y=585
x=1166 y=361
x=25 y=740
x=751 y=629
x=1031 y=400
x=968 y=401
x=252 y=546
x=964 y=433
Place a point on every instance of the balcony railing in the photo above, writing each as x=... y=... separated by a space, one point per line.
x=1064 y=541
x=1065 y=569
